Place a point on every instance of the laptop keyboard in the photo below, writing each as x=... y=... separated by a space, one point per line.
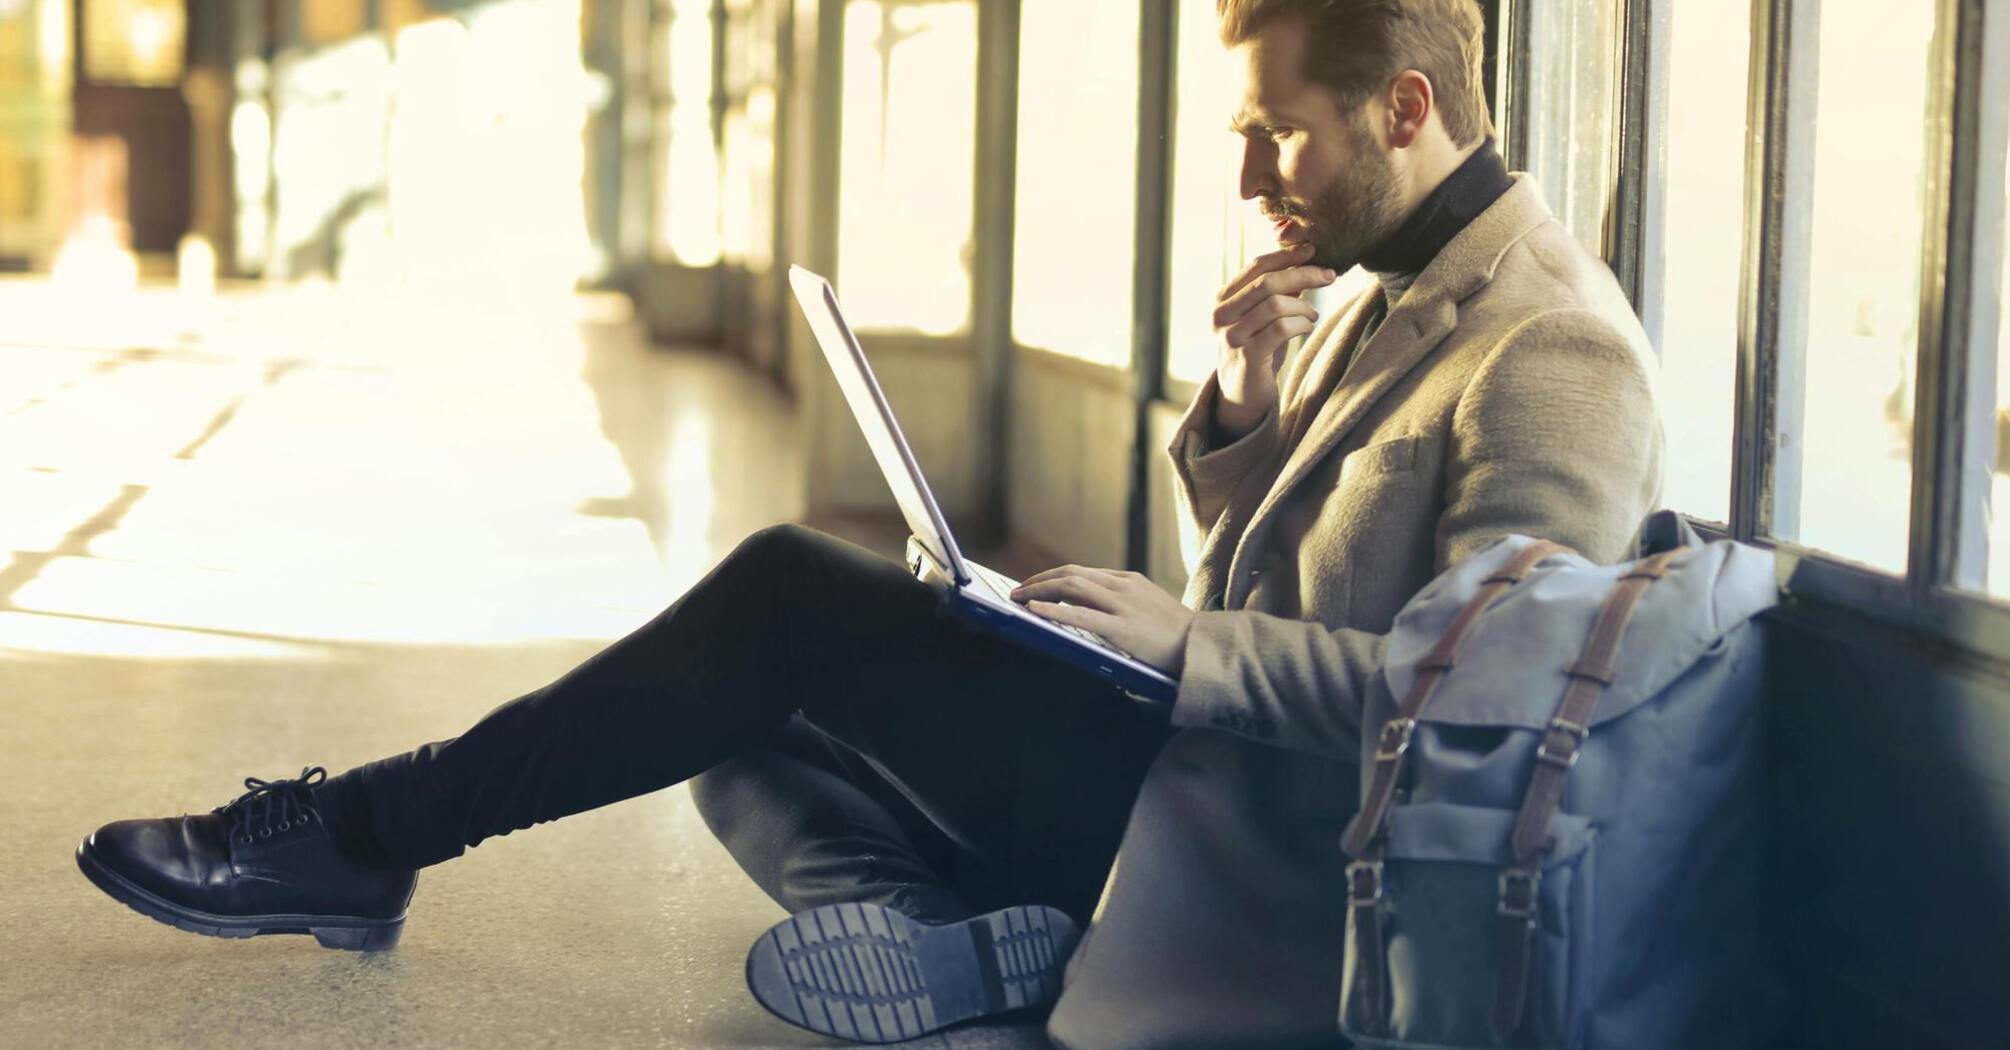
x=1003 y=585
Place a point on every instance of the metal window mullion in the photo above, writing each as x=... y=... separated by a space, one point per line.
x=1960 y=264
x=780 y=185
x=1511 y=89
x=1639 y=191
x=1156 y=29
x=991 y=263
x=1773 y=282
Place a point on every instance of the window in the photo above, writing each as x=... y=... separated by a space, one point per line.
x=1075 y=203
x=1702 y=248
x=1999 y=496
x=332 y=21
x=907 y=164
x=687 y=195
x=747 y=194
x=1573 y=104
x=1214 y=232
x=35 y=126
x=1863 y=282
x=1871 y=207
x=134 y=42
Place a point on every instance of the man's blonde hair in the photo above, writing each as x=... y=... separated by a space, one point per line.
x=1356 y=47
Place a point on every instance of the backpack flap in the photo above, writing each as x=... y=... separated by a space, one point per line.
x=1527 y=639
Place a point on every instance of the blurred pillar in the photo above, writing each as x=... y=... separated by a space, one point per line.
x=210 y=92
x=604 y=45
x=130 y=64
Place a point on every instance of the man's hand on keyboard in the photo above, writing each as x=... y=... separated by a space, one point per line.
x=1132 y=612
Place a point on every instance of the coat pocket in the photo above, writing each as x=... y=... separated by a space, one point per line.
x=1394 y=456
x=1441 y=931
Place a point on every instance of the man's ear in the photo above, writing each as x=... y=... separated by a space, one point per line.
x=1411 y=100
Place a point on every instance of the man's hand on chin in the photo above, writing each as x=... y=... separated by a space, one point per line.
x=1124 y=607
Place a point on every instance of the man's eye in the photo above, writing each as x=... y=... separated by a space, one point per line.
x=1278 y=133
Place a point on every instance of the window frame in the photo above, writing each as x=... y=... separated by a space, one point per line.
x=1163 y=20
x=1939 y=595
x=1939 y=598
x=1151 y=279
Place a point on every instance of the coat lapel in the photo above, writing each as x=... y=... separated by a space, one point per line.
x=1320 y=367
x=1405 y=337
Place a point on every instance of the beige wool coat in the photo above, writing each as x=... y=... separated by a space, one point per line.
x=1509 y=391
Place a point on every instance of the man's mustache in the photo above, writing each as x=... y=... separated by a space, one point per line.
x=1278 y=211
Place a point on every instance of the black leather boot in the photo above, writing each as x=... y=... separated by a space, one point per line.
x=869 y=974
x=263 y=863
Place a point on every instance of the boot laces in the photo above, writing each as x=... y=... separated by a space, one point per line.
x=273 y=805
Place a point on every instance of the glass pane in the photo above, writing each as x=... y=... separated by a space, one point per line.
x=1999 y=525
x=35 y=125
x=907 y=165
x=1573 y=111
x=687 y=203
x=1863 y=281
x=137 y=42
x=1702 y=238
x=747 y=195
x=1214 y=232
x=1074 y=219
x=331 y=21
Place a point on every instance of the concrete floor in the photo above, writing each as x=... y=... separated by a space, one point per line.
x=279 y=529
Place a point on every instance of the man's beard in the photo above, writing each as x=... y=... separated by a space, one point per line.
x=1354 y=213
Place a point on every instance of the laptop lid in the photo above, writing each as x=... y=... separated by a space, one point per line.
x=875 y=417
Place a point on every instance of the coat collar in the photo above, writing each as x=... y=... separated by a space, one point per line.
x=1338 y=388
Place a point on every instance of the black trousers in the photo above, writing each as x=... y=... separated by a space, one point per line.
x=848 y=742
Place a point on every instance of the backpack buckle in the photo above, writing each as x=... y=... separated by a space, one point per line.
x=1364 y=883
x=1395 y=739
x=1518 y=893
x=1566 y=750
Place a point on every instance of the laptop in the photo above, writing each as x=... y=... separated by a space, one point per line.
x=974 y=593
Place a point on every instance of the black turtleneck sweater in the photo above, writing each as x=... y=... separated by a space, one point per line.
x=1466 y=192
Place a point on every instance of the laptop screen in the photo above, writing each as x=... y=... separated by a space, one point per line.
x=875 y=418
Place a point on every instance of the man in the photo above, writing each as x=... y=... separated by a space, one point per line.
x=942 y=809
x=1492 y=380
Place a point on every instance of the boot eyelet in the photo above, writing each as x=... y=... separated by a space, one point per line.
x=246 y=839
x=286 y=825
x=265 y=833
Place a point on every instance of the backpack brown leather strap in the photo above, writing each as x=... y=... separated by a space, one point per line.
x=1364 y=897
x=1363 y=840
x=1394 y=741
x=1555 y=755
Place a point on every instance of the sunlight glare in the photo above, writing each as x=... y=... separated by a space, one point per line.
x=907 y=165
x=1074 y=223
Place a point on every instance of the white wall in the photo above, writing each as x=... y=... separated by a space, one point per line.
x=1069 y=458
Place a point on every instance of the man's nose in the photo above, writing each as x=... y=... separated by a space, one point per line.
x=1259 y=170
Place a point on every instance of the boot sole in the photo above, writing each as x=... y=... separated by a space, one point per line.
x=872 y=975
x=342 y=932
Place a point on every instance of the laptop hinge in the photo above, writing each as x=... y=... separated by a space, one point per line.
x=926 y=568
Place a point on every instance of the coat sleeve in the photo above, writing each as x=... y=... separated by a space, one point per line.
x=1556 y=437
x=1204 y=476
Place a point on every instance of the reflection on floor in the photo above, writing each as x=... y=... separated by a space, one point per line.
x=247 y=535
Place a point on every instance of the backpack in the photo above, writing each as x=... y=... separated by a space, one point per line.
x=1559 y=838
